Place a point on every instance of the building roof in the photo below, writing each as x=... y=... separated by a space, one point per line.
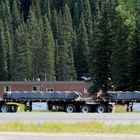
x=42 y=82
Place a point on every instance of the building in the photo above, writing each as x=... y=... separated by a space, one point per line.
x=79 y=86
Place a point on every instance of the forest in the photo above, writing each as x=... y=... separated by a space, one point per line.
x=64 y=40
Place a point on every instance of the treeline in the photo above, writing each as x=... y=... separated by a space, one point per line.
x=68 y=39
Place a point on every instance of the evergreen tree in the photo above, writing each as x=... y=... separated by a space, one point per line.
x=88 y=19
x=7 y=17
x=121 y=48
x=16 y=14
x=22 y=55
x=92 y=37
x=48 y=51
x=8 y=33
x=135 y=52
x=2 y=11
x=102 y=49
x=3 y=55
x=9 y=47
x=36 y=7
x=68 y=28
x=54 y=23
x=65 y=64
x=120 y=58
x=89 y=27
x=46 y=8
x=76 y=16
x=62 y=68
x=81 y=58
x=35 y=39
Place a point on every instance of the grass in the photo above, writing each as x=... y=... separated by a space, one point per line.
x=82 y=127
x=120 y=109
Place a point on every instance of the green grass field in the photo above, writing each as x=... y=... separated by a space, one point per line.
x=88 y=127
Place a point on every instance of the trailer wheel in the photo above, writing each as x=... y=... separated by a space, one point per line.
x=101 y=108
x=70 y=108
x=5 y=108
x=85 y=109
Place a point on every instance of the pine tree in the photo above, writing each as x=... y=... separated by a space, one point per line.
x=3 y=55
x=103 y=42
x=35 y=38
x=48 y=51
x=88 y=19
x=61 y=52
x=46 y=8
x=95 y=37
x=121 y=48
x=7 y=17
x=16 y=14
x=68 y=28
x=135 y=51
x=54 y=23
x=65 y=66
x=36 y=7
x=2 y=11
x=120 y=58
x=76 y=16
x=89 y=27
x=8 y=33
x=81 y=58
x=9 y=47
x=22 y=55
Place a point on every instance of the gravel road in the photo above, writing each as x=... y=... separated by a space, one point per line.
x=42 y=136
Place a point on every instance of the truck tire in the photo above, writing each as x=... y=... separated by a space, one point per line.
x=70 y=108
x=101 y=108
x=85 y=108
x=5 y=108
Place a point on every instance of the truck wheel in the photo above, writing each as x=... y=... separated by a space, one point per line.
x=101 y=108
x=85 y=109
x=5 y=108
x=70 y=108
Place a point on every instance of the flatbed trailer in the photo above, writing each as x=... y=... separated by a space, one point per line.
x=67 y=101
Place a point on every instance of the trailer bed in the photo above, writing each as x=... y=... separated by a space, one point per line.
x=120 y=96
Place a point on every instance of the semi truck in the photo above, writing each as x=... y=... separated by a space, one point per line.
x=68 y=101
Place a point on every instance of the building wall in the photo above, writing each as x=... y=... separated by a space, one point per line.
x=79 y=86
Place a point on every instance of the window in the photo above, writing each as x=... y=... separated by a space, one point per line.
x=36 y=88
x=49 y=89
x=7 y=88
